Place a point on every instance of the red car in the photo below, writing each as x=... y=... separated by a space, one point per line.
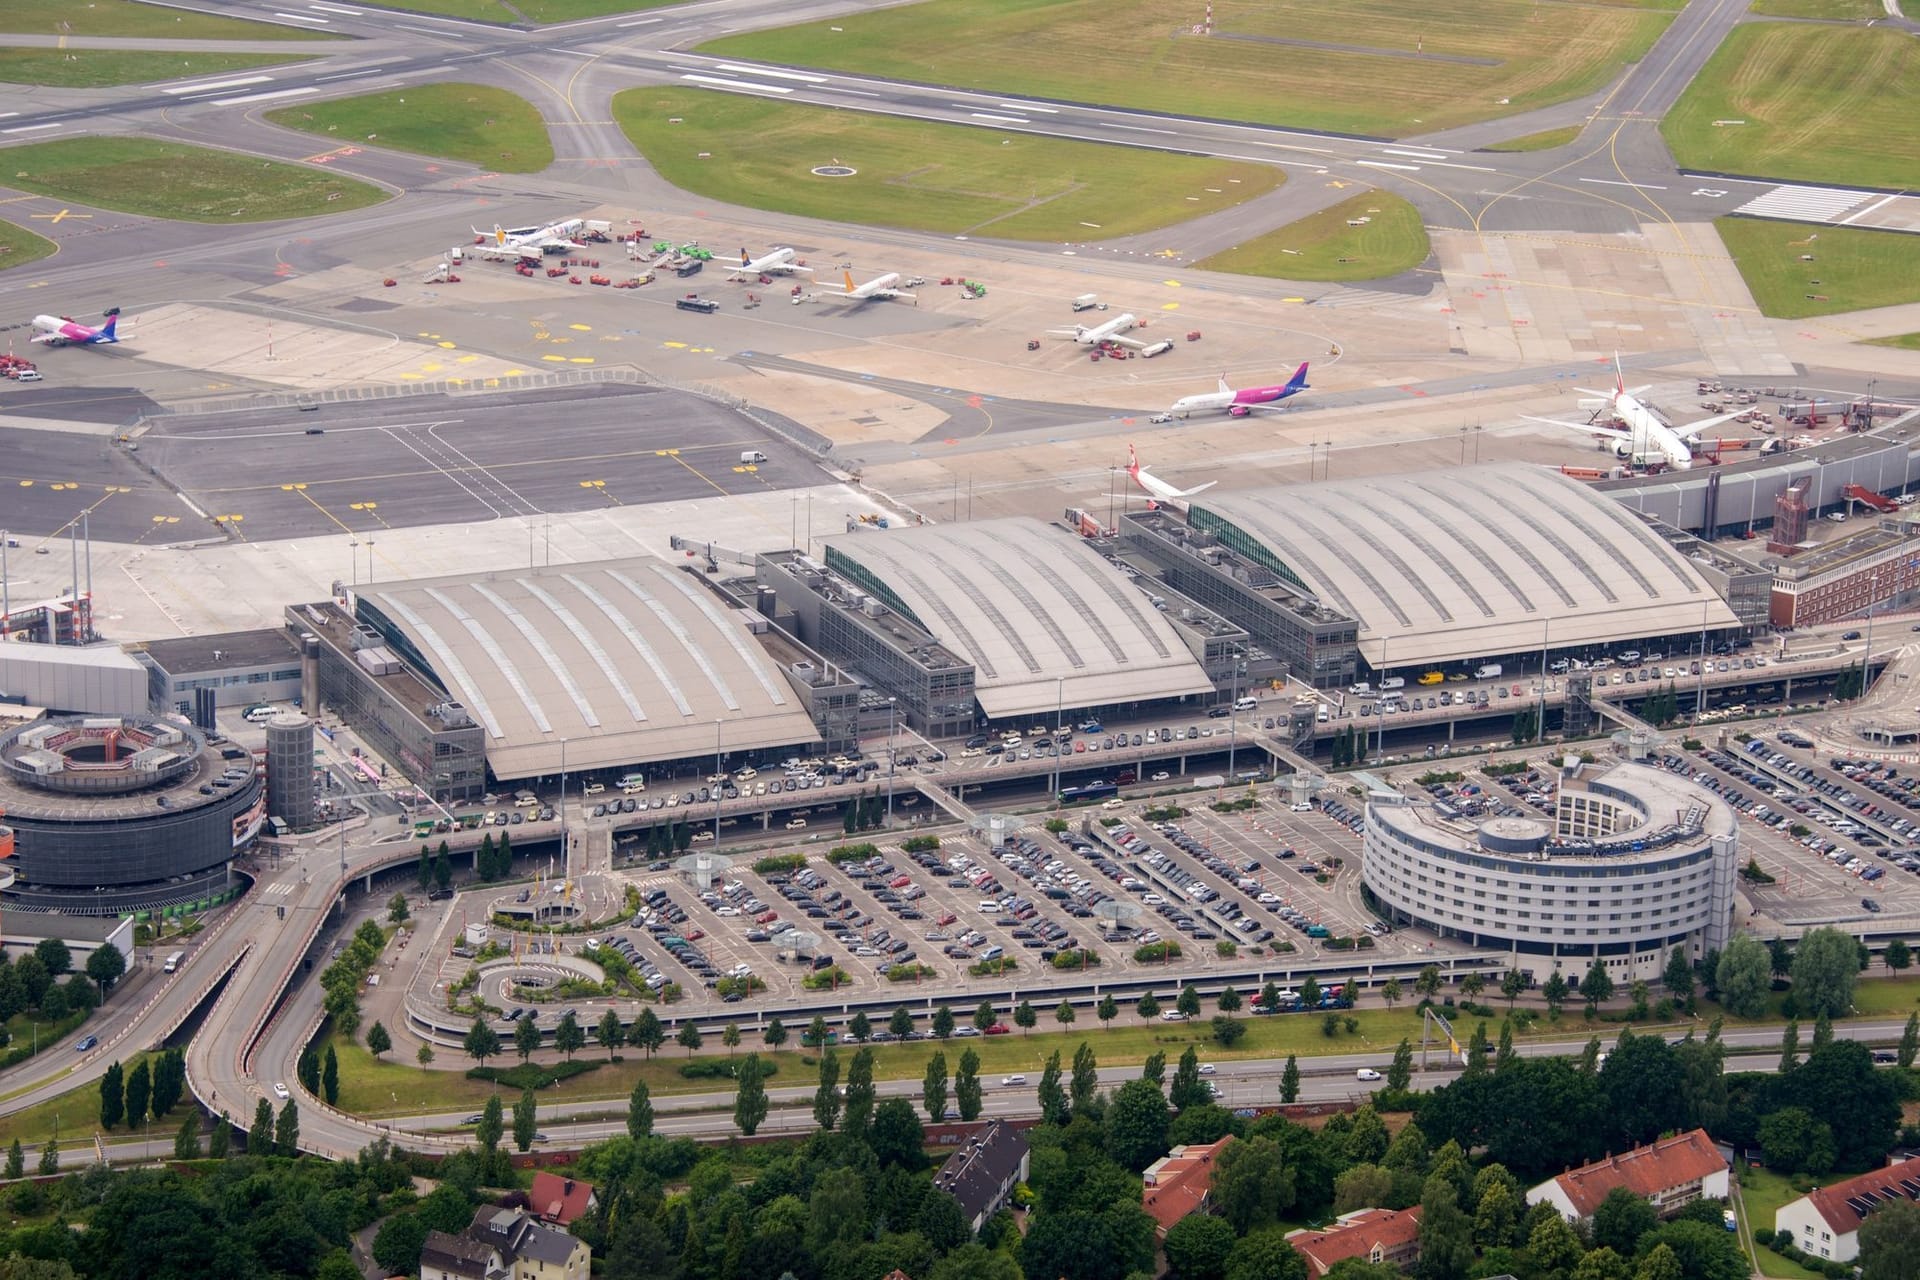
x=901 y=882
x=766 y=917
x=694 y=935
x=946 y=919
x=998 y=1029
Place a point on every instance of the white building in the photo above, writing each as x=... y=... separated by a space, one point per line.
x=1826 y=1222
x=1632 y=862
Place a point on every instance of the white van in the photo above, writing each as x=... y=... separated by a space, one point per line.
x=1489 y=671
x=1394 y=682
x=1361 y=687
x=258 y=715
x=1247 y=704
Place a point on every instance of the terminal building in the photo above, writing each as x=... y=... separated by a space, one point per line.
x=1007 y=622
x=241 y=667
x=1434 y=571
x=117 y=815
x=600 y=667
x=1631 y=862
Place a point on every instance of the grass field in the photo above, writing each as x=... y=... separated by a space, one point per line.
x=124 y=18
x=1903 y=341
x=471 y=122
x=1851 y=270
x=94 y=68
x=1325 y=247
x=537 y=10
x=1823 y=104
x=188 y=184
x=19 y=246
x=1137 y=53
x=1546 y=140
x=1833 y=10
x=922 y=176
x=1762 y=1192
x=75 y=1116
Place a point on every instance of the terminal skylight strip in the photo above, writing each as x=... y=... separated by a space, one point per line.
x=591 y=644
x=1676 y=563
x=1334 y=541
x=1385 y=514
x=634 y=638
x=1437 y=516
x=963 y=637
x=685 y=637
x=988 y=610
x=1085 y=613
x=470 y=694
x=499 y=656
x=539 y=642
x=748 y=654
x=1044 y=617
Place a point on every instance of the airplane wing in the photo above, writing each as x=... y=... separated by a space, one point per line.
x=1188 y=493
x=1693 y=429
x=1587 y=427
x=46 y=337
x=891 y=294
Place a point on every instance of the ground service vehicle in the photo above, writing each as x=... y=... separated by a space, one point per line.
x=174 y=962
x=707 y=305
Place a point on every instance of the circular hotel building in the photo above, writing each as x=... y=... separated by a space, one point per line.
x=114 y=816
x=1631 y=862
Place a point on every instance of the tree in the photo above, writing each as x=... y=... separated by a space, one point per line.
x=1252 y=1188
x=397 y=908
x=639 y=1111
x=1899 y=955
x=16 y=1161
x=50 y=1158
x=1822 y=1032
x=113 y=1098
x=933 y=1088
x=966 y=1086
x=1052 y=1098
x=1597 y=987
x=568 y=1037
x=1909 y=1041
x=442 y=872
x=54 y=956
x=609 y=1033
x=1197 y=1247
x=1472 y=985
x=329 y=1078
x=423 y=875
x=859 y=1027
x=1795 y=1141
x=1890 y=1242
x=816 y=1033
x=1512 y=984
x=1229 y=1000
x=943 y=1023
x=1290 y=1080
x=1552 y=1247
x=378 y=1041
x=1188 y=1001
x=1704 y=1252
x=1155 y=1068
x=776 y=1034
x=1554 y=991
x=1824 y=968
x=306 y=1069
x=1187 y=1089
x=1136 y=1125
x=896 y=1136
x=1621 y=1219
x=1063 y=1013
x=1744 y=976
x=826 y=1097
x=749 y=1104
x=1427 y=983
x=1678 y=976
x=482 y=1041
x=860 y=1093
x=526 y=1120
x=1148 y=1007
x=984 y=1016
x=139 y=1094
x=1446 y=1233
x=1400 y=1071
x=222 y=1140
x=1086 y=1078
x=105 y=966
x=689 y=1037
x=492 y=1124
x=1602 y=1264
x=1310 y=992
x=286 y=1130
x=1266 y=1256
x=1390 y=993
x=647 y=1033
x=900 y=1022
x=397 y=1246
x=1107 y=1010
x=975 y=1262
x=1790 y=1045
x=526 y=1037
x=1504 y=1055
x=1495 y=1217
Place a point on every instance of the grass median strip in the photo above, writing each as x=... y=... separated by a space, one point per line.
x=19 y=246
x=1796 y=269
x=919 y=175
x=1355 y=66
x=96 y=68
x=1546 y=140
x=126 y=18
x=1367 y=237
x=188 y=184
x=474 y=123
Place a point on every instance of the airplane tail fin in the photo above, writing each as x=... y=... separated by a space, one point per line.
x=1133 y=461
x=106 y=330
x=1298 y=382
x=850 y=284
x=1225 y=390
x=1619 y=376
x=745 y=260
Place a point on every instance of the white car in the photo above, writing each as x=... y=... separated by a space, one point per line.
x=1161 y=776
x=795 y=824
x=280 y=1091
x=1206 y=1068
x=1366 y=1073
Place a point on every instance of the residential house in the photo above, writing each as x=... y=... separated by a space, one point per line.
x=981 y=1175
x=1178 y=1183
x=1825 y=1223
x=1378 y=1236
x=1669 y=1174
x=505 y=1244
x=560 y=1200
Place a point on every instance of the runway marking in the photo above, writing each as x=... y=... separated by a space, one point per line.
x=741 y=69
x=1421 y=154
x=1383 y=164
x=1133 y=128
x=334 y=8
x=204 y=86
x=836 y=88
x=264 y=97
x=1611 y=182
x=721 y=82
x=1850 y=218
x=983 y=115
x=1024 y=106
x=300 y=17
x=62 y=216
x=637 y=22
x=29 y=128
x=427 y=31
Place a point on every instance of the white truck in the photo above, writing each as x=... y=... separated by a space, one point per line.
x=1488 y=671
x=750 y=456
x=1089 y=302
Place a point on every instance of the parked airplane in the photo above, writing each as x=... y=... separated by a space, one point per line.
x=1240 y=403
x=1642 y=437
x=534 y=242
x=1157 y=489
x=1113 y=331
x=61 y=332
x=886 y=288
x=781 y=260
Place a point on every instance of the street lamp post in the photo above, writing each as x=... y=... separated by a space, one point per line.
x=566 y=845
x=892 y=709
x=718 y=785
x=1059 y=712
x=1233 y=721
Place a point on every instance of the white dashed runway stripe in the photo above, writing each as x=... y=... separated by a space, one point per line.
x=1804 y=204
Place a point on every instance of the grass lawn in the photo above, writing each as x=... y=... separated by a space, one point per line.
x=470 y=122
x=125 y=18
x=77 y=1113
x=94 y=68
x=1762 y=1192
x=537 y=10
x=1546 y=140
x=185 y=183
x=1324 y=246
x=922 y=176
x=19 y=246
x=1836 y=10
x=1820 y=104
x=1855 y=269
x=1510 y=55
x=1903 y=341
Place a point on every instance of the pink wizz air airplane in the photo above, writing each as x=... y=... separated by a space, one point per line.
x=61 y=332
x=1240 y=403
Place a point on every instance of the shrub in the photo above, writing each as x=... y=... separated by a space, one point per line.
x=920 y=844
x=852 y=852
x=823 y=979
x=1164 y=813
x=991 y=968
x=1080 y=958
x=909 y=972
x=780 y=862
x=721 y=1068
x=1057 y=825
x=533 y=1075
x=1157 y=951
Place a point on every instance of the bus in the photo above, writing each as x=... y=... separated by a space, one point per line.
x=1091 y=791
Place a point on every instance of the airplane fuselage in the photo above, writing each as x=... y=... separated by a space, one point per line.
x=55 y=331
x=1236 y=403
x=1101 y=332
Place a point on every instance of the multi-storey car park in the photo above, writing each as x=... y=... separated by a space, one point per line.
x=1629 y=863
x=115 y=815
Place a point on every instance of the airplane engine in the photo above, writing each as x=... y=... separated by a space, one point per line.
x=1156 y=349
x=1623 y=448
x=1238 y=411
